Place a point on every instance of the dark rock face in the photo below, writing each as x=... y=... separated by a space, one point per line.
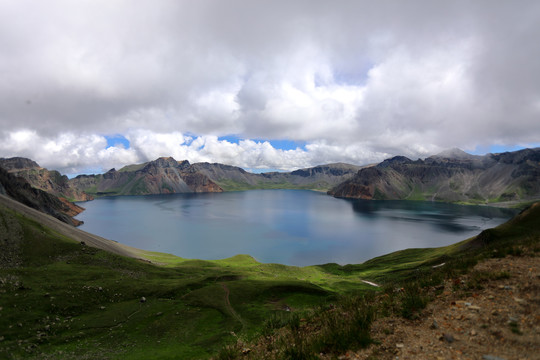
x=452 y=176
x=18 y=163
x=19 y=189
x=50 y=181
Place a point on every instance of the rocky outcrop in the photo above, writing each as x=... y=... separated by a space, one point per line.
x=50 y=181
x=161 y=176
x=19 y=189
x=452 y=176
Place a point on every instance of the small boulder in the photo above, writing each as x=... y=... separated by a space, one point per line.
x=449 y=338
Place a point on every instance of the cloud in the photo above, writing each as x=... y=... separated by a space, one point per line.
x=354 y=80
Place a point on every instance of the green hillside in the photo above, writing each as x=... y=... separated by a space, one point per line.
x=63 y=299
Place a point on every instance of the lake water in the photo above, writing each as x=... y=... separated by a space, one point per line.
x=292 y=227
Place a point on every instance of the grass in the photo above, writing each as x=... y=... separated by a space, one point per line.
x=66 y=300
x=232 y=185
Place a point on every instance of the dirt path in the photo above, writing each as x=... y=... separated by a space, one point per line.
x=230 y=308
x=67 y=230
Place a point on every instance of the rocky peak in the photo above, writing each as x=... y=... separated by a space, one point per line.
x=166 y=162
x=518 y=157
x=394 y=161
x=454 y=153
x=18 y=163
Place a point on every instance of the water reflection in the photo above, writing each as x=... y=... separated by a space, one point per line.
x=292 y=227
x=446 y=217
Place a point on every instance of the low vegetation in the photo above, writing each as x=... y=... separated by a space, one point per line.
x=63 y=299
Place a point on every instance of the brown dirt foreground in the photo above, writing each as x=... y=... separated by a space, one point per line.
x=497 y=318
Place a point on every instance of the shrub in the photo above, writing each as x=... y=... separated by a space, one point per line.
x=413 y=301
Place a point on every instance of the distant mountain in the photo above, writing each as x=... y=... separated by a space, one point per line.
x=322 y=177
x=50 y=181
x=19 y=189
x=451 y=176
x=166 y=175
x=161 y=176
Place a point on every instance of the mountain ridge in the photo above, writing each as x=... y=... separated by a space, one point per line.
x=450 y=177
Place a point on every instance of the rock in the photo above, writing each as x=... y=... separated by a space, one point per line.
x=434 y=325
x=492 y=357
x=512 y=319
x=473 y=332
x=100 y=288
x=449 y=338
x=102 y=307
x=474 y=308
x=143 y=300
x=159 y=313
x=400 y=346
x=520 y=301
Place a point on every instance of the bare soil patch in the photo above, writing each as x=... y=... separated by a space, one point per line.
x=492 y=313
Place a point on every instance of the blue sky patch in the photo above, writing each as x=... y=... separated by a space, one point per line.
x=115 y=140
x=495 y=149
x=276 y=144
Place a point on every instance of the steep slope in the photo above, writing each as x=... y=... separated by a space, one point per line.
x=19 y=189
x=452 y=176
x=59 y=227
x=161 y=176
x=50 y=181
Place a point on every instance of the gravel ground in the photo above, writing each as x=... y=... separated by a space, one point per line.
x=498 y=320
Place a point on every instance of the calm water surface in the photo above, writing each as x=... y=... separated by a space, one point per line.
x=292 y=227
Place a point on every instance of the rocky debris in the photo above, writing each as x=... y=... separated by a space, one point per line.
x=465 y=322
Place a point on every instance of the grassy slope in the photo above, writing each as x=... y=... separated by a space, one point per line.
x=67 y=300
x=79 y=300
x=232 y=185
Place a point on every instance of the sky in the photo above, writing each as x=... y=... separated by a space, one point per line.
x=89 y=85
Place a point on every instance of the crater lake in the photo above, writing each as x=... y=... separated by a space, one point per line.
x=291 y=227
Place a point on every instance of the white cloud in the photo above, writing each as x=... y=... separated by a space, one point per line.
x=354 y=80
